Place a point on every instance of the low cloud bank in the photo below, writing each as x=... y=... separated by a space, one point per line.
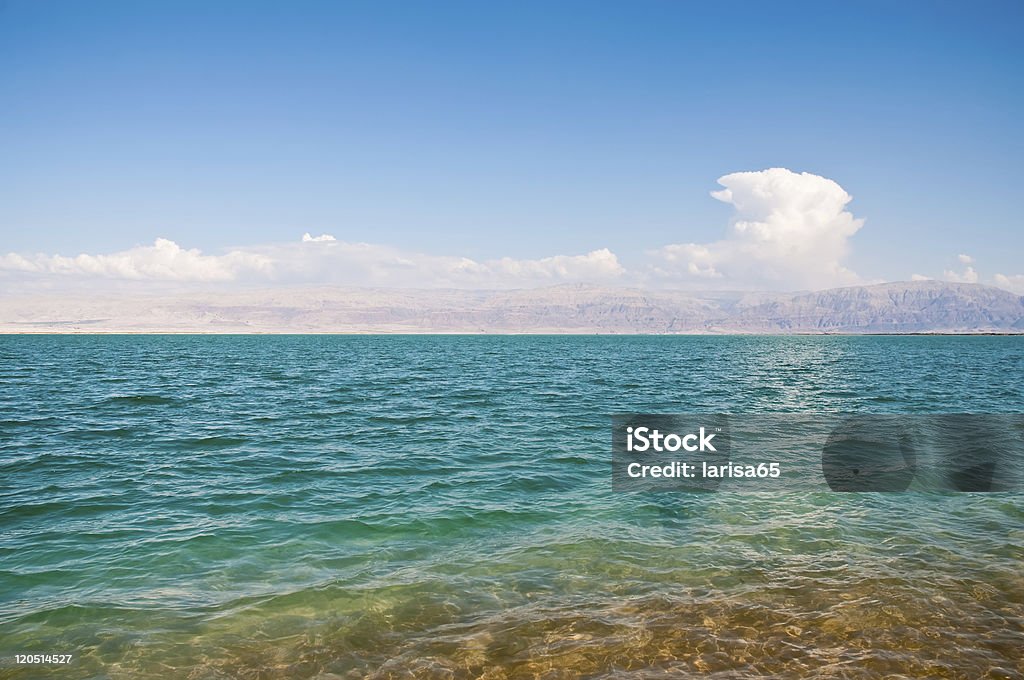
x=788 y=231
x=165 y=260
x=319 y=260
x=324 y=259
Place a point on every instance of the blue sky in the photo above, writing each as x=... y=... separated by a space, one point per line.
x=518 y=130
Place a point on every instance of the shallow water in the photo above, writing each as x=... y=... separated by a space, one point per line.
x=438 y=506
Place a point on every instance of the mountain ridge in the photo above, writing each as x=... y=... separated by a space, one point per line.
x=896 y=307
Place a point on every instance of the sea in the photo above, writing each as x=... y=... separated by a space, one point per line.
x=440 y=506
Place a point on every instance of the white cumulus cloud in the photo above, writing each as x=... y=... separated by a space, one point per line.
x=789 y=230
x=314 y=260
x=1013 y=283
x=165 y=260
x=361 y=264
x=968 y=275
x=322 y=238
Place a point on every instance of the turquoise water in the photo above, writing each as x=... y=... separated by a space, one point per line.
x=440 y=507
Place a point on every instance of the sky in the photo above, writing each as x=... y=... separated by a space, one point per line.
x=788 y=145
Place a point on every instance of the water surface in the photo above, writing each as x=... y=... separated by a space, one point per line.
x=441 y=506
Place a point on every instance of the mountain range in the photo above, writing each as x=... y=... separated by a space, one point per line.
x=902 y=307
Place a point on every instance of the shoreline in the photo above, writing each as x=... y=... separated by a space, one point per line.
x=502 y=333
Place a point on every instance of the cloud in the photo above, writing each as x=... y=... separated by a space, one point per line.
x=698 y=260
x=968 y=275
x=1013 y=283
x=789 y=230
x=598 y=264
x=322 y=238
x=316 y=260
x=366 y=264
x=165 y=260
x=920 y=277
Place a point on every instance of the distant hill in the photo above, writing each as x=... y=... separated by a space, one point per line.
x=905 y=307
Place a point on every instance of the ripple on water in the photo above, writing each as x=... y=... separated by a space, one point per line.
x=440 y=507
